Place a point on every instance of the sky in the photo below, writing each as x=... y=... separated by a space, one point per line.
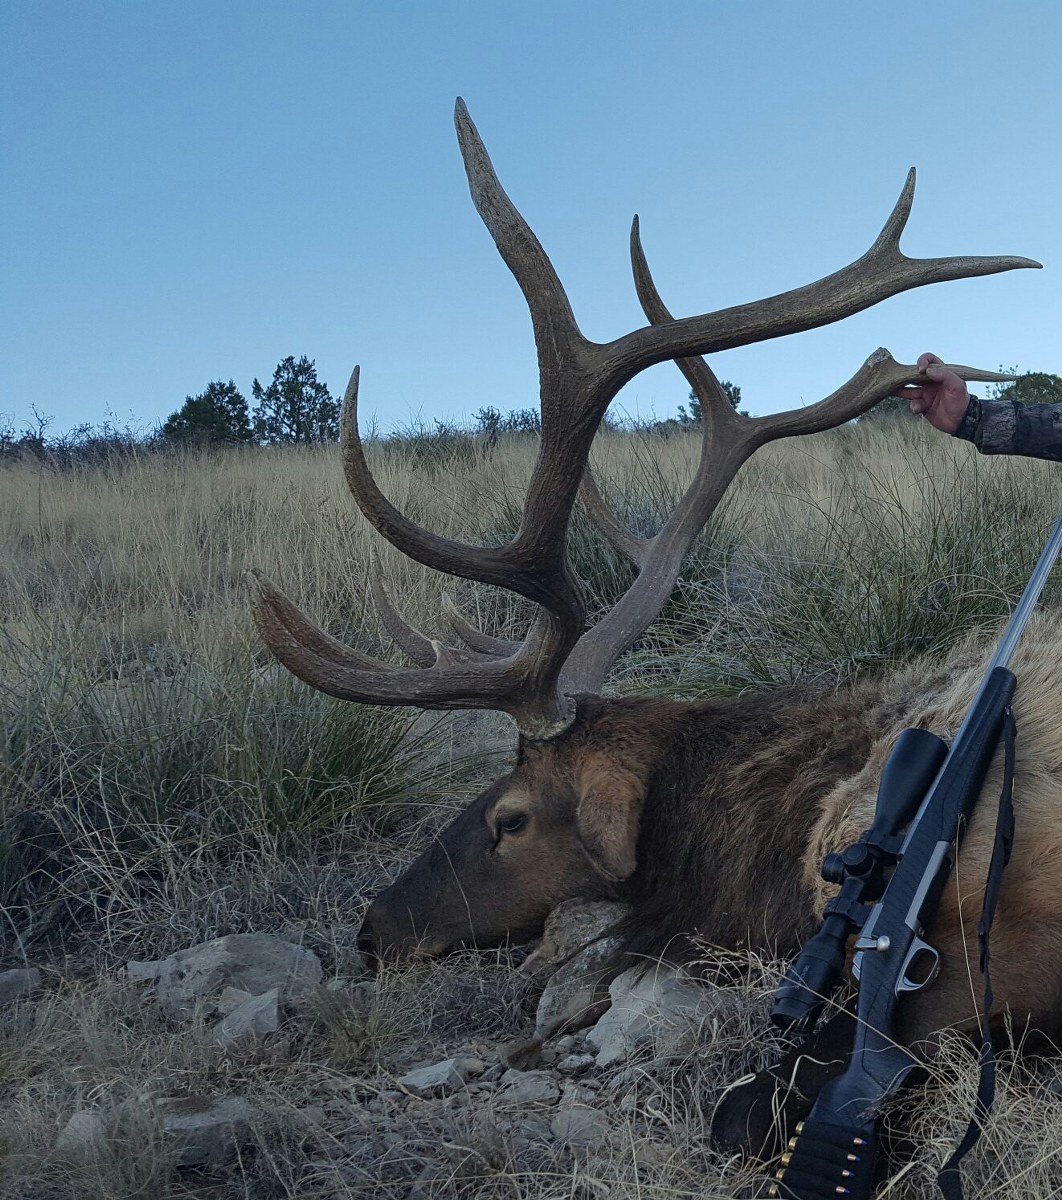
x=194 y=190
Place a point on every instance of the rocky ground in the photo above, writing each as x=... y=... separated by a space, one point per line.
x=270 y=1074
x=253 y=1066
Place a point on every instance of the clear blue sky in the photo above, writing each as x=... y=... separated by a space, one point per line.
x=194 y=190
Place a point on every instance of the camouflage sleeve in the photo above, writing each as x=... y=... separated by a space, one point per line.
x=1006 y=427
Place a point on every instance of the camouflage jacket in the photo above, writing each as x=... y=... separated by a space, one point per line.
x=1006 y=427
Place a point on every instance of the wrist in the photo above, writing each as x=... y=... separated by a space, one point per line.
x=971 y=418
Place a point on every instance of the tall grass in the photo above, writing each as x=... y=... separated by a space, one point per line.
x=162 y=780
x=140 y=713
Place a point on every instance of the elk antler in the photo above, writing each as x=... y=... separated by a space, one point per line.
x=533 y=680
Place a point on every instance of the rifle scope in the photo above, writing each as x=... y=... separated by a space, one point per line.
x=860 y=870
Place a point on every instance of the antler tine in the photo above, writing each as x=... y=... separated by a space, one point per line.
x=520 y=684
x=475 y=639
x=605 y=521
x=881 y=272
x=291 y=636
x=571 y=397
x=410 y=641
x=551 y=313
x=706 y=386
x=439 y=553
x=879 y=377
x=715 y=407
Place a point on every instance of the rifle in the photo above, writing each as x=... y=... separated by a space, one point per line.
x=890 y=883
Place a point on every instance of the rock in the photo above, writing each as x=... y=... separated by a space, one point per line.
x=528 y=1087
x=469 y=1065
x=577 y=993
x=204 y=1131
x=253 y=962
x=573 y=1093
x=143 y=972
x=570 y=927
x=660 y=1010
x=579 y=1126
x=531 y=1131
x=438 y=1079
x=253 y=1018
x=230 y=999
x=575 y=1064
x=17 y=984
x=84 y=1137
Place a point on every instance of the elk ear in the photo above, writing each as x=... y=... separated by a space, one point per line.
x=607 y=815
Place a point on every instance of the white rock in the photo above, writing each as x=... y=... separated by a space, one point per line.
x=573 y=1093
x=203 y=1130
x=659 y=1010
x=528 y=1087
x=18 y=983
x=143 y=972
x=83 y=1137
x=437 y=1079
x=579 y=1126
x=575 y=1064
x=231 y=998
x=252 y=962
x=253 y=1018
x=469 y=1065
x=577 y=993
x=572 y=925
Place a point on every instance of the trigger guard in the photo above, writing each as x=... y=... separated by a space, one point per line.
x=919 y=950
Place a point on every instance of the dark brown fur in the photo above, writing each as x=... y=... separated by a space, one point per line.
x=731 y=802
x=718 y=798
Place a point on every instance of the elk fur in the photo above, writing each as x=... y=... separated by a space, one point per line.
x=733 y=857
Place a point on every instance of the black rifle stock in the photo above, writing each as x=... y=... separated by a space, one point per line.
x=834 y=1151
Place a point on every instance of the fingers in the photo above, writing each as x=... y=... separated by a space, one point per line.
x=917 y=397
x=928 y=360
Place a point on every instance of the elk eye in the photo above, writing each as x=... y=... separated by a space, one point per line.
x=512 y=824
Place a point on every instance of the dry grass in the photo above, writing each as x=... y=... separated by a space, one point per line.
x=161 y=783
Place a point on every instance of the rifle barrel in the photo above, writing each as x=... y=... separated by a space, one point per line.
x=1020 y=617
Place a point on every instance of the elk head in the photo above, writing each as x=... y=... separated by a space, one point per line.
x=565 y=820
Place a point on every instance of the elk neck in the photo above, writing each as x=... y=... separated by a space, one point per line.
x=734 y=788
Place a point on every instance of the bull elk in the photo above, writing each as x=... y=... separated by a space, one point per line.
x=709 y=818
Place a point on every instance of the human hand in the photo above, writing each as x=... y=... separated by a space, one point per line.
x=942 y=399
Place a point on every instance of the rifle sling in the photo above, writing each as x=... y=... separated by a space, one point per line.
x=949 y=1180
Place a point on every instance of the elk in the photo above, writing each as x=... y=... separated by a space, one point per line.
x=709 y=817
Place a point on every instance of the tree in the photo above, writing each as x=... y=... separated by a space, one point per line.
x=1034 y=387
x=692 y=416
x=217 y=416
x=296 y=407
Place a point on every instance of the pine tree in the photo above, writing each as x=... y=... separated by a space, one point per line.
x=296 y=407
x=217 y=416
